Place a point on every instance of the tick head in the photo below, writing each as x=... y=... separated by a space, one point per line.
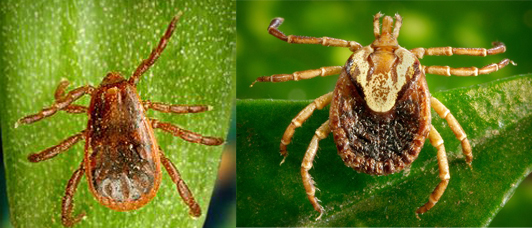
x=388 y=38
x=112 y=78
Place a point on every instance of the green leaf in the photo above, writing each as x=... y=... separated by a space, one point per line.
x=497 y=117
x=43 y=42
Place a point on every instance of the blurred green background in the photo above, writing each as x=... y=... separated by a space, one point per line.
x=425 y=24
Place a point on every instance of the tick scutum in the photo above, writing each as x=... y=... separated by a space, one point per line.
x=123 y=161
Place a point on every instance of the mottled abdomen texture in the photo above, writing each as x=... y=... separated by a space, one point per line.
x=123 y=166
x=379 y=143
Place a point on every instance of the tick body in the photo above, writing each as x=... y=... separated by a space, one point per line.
x=122 y=163
x=380 y=108
x=122 y=160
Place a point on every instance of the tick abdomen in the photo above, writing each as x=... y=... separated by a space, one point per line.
x=386 y=138
x=122 y=162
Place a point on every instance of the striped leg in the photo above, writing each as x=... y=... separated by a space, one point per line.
x=60 y=94
x=182 y=187
x=296 y=76
x=175 y=109
x=498 y=48
x=67 y=204
x=156 y=52
x=320 y=134
x=57 y=149
x=444 y=113
x=325 y=41
x=437 y=141
x=59 y=104
x=186 y=134
x=319 y=103
x=466 y=71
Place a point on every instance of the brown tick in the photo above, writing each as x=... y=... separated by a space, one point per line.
x=380 y=108
x=122 y=160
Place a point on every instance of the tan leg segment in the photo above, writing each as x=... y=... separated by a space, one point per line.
x=296 y=76
x=57 y=149
x=59 y=104
x=186 y=134
x=376 y=25
x=176 y=109
x=437 y=141
x=466 y=71
x=303 y=115
x=498 y=48
x=68 y=200
x=444 y=113
x=398 y=23
x=320 y=134
x=325 y=41
x=182 y=187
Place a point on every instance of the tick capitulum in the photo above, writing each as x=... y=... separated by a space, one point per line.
x=122 y=159
x=380 y=108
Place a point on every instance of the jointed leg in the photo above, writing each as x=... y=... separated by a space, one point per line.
x=497 y=48
x=176 y=109
x=182 y=187
x=437 y=141
x=444 y=113
x=185 y=134
x=296 y=76
x=303 y=115
x=60 y=93
x=466 y=71
x=59 y=104
x=156 y=52
x=320 y=134
x=57 y=149
x=325 y=41
x=68 y=200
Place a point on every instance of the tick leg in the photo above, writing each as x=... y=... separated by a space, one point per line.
x=466 y=71
x=497 y=48
x=444 y=113
x=59 y=104
x=60 y=93
x=57 y=149
x=437 y=141
x=156 y=52
x=325 y=41
x=303 y=115
x=296 y=76
x=186 y=134
x=182 y=187
x=68 y=200
x=176 y=109
x=320 y=134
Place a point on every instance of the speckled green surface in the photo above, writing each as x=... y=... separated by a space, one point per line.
x=45 y=41
x=496 y=116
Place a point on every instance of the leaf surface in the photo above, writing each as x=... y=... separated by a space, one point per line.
x=496 y=116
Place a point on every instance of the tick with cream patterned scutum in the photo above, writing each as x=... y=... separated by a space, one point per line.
x=122 y=159
x=380 y=108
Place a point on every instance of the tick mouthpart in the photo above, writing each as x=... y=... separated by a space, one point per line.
x=387 y=37
x=111 y=78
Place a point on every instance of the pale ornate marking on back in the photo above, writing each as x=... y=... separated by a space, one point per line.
x=381 y=89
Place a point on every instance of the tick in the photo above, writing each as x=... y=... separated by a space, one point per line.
x=122 y=160
x=380 y=108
